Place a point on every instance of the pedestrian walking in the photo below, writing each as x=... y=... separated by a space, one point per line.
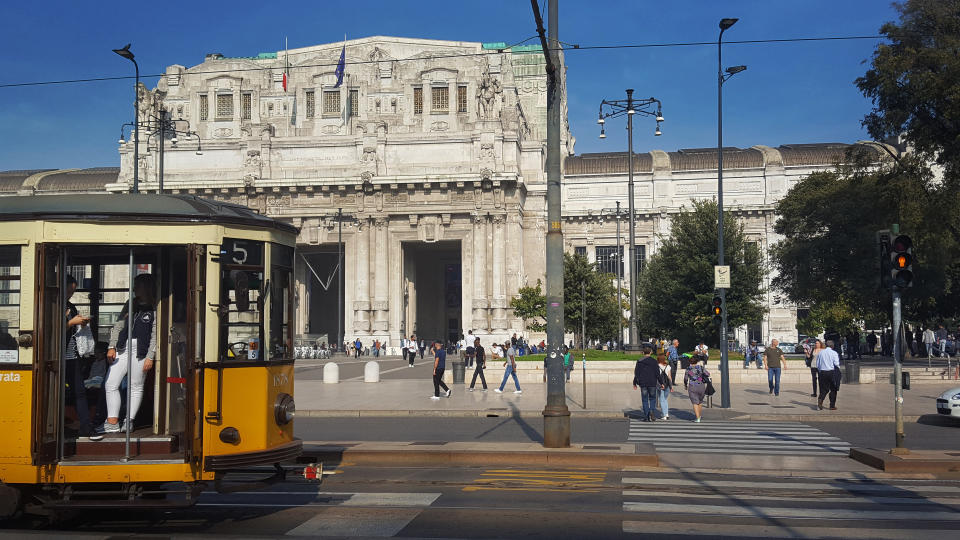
x=828 y=366
x=673 y=357
x=439 y=364
x=812 y=364
x=666 y=384
x=480 y=355
x=646 y=373
x=774 y=362
x=510 y=369
x=471 y=350
x=567 y=362
x=412 y=349
x=695 y=379
x=752 y=354
x=872 y=342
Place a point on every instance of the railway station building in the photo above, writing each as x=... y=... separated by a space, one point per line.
x=433 y=155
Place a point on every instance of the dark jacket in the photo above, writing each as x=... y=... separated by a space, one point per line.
x=646 y=372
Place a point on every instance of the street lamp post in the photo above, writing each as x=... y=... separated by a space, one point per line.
x=616 y=108
x=125 y=52
x=721 y=78
x=617 y=213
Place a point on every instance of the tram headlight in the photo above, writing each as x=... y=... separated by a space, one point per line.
x=284 y=410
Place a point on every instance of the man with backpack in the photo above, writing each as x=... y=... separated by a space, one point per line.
x=646 y=377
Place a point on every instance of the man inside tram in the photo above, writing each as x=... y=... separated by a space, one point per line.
x=144 y=336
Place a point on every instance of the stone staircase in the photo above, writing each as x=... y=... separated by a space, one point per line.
x=920 y=374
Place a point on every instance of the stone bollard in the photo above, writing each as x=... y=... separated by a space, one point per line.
x=371 y=372
x=331 y=373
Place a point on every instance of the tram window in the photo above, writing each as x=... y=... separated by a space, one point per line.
x=241 y=299
x=9 y=302
x=281 y=271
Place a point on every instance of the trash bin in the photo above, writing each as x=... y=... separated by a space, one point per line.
x=459 y=369
x=852 y=372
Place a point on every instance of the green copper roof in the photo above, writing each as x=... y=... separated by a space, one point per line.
x=494 y=45
x=259 y=56
x=526 y=49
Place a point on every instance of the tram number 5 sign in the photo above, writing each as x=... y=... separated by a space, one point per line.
x=721 y=277
x=245 y=252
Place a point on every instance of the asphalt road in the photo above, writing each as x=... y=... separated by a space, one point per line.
x=508 y=502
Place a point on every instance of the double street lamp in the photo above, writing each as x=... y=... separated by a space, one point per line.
x=163 y=126
x=614 y=109
x=722 y=76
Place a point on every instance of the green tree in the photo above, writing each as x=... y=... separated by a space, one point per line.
x=583 y=287
x=913 y=82
x=829 y=259
x=583 y=283
x=530 y=304
x=675 y=290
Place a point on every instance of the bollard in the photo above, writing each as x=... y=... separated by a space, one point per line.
x=371 y=372
x=331 y=373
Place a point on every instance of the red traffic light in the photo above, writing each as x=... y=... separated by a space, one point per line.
x=902 y=243
x=717 y=301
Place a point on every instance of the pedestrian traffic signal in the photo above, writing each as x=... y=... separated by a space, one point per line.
x=717 y=308
x=901 y=262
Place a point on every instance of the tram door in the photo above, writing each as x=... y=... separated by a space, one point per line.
x=47 y=364
x=193 y=368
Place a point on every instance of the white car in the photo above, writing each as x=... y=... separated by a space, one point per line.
x=949 y=402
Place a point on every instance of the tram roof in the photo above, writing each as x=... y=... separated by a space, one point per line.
x=130 y=206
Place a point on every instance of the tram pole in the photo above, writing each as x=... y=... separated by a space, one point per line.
x=556 y=415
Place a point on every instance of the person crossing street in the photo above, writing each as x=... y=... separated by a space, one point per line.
x=439 y=364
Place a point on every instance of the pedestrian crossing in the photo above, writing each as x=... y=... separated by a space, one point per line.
x=795 y=507
x=740 y=438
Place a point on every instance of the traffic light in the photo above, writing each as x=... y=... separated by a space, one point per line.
x=901 y=262
x=717 y=309
x=886 y=281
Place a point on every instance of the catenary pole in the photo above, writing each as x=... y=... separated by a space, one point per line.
x=556 y=415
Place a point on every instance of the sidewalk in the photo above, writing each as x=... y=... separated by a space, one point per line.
x=397 y=398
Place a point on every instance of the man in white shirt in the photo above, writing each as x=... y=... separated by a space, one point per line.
x=828 y=366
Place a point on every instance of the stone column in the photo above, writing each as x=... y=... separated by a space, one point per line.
x=500 y=249
x=381 y=275
x=361 y=304
x=479 y=275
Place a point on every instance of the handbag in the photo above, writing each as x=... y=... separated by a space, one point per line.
x=84 y=341
x=710 y=390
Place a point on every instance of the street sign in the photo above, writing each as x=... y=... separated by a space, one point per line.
x=721 y=277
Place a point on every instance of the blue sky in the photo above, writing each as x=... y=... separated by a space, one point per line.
x=790 y=93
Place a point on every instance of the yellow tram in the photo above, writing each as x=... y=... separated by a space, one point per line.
x=216 y=397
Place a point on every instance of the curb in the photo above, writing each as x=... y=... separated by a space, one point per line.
x=937 y=462
x=505 y=413
x=579 y=456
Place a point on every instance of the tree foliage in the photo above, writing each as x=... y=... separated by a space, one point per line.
x=530 y=304
x=829 y=256
x=675 y=290
x=914 y=81
x=582 y=283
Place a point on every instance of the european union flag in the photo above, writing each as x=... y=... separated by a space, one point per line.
x=339 y=70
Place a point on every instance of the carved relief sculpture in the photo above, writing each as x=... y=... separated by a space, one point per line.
x=488 y=95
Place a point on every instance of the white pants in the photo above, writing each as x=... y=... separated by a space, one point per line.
x=112 y=387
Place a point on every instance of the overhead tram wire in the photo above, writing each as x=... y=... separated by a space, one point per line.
x=572 y=48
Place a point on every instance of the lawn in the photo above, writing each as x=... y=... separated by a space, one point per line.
x=594 y=355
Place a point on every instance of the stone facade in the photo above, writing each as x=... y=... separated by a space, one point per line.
x=435 y=152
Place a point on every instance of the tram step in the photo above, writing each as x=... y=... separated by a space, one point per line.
x=115 y=444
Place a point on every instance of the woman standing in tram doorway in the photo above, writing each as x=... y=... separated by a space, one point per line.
x=144 y=340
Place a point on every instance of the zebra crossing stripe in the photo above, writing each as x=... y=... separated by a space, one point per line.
x=741 y=530
x=872 y=499
x=835 y=484
x=770 y=512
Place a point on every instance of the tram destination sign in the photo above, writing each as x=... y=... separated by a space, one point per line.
x=238 y=251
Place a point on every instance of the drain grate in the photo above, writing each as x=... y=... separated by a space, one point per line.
x=783 y=406
x=428 y=443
